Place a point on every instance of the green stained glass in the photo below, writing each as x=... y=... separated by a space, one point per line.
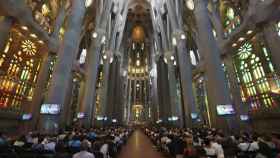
x=245 y=51
x=271 y=67
x=230 y=14
x=265 y=51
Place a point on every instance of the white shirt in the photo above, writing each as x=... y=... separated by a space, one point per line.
x=210 y=151
x=83 y=154
x=219 y=150
x=254 y=146
x=104 y=149
x=245 y=146
x=50 y=146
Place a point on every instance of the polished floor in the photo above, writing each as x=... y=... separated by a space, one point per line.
x=139 y=146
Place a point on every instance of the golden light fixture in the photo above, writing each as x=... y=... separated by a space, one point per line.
x=45 y=10
x=33 y=35
x=24 y=28
x=138 y=34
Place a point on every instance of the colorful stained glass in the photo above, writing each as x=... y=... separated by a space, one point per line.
x=245 y=51
x=20 y=68
x=255 y=88
x=28 y=47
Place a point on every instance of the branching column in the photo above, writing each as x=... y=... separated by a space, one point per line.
x=104 y=90
x=273 y=41
x=63 y=68
x=217 y=90
x=163 y=89
x=5 y=26
x=186 y=79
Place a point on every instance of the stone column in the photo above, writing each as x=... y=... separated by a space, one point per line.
x=91 y=76
x=272 y=42
x=39 y=90
x=160 y=92
x=129 y=95
x=154 y=99
x=240 y=107
x=5 y=27
x=217 y=89
x=63 y=67
x=104 y=89
x=184 y=64
x=111 y=96
x=164 y=90
x=44 y=75
x=175 y=109
x=186 y=79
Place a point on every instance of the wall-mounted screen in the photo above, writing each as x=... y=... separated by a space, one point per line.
x=52 y=109
x=26 y=117
x=194 y=116
x=225 y=110
x=244 y=117
x=80 y=115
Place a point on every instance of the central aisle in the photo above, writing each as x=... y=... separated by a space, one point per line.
x=139 y=146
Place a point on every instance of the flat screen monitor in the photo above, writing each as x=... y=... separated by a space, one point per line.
x=26 y=117
x=194 y=116
x=244 y=117
x=52 y=109
x=225 y=110
x=81 y=115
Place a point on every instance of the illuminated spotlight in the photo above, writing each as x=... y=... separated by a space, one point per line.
x=94 y=35
x=111 y=59
x=190 y=4
x=249 y=32
x=104 y=57
x=88 y=3
x=175 y=63
x=137 y=85
x=41 y=42
x=33 y=35
x=183 y=36
x=234 y=45
x=165 y=60
x=174 y=41
x=138 y=62
x=24 y=27
x=103 y=40
x=241 y=39
x=172 y=58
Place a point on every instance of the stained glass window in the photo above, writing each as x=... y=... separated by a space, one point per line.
x=231 y=21
x=278 y=28
x=193 y=58
x=19 y=65
x=253 y=80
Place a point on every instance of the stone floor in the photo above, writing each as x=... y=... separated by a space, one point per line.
x=139 y=146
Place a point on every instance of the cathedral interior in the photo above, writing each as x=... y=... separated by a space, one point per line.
x=157 y=63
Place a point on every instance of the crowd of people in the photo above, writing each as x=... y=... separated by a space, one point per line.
x=212 y=143
x=174 y=142
x=76 y=143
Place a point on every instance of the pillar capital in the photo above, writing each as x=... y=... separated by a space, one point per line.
x=157 y=57
x=109 y=53
x=169 y=57
x=98 y=32
x=179 y=34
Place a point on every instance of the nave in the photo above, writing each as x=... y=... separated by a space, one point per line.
x=139 y=146
x=204 y=73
